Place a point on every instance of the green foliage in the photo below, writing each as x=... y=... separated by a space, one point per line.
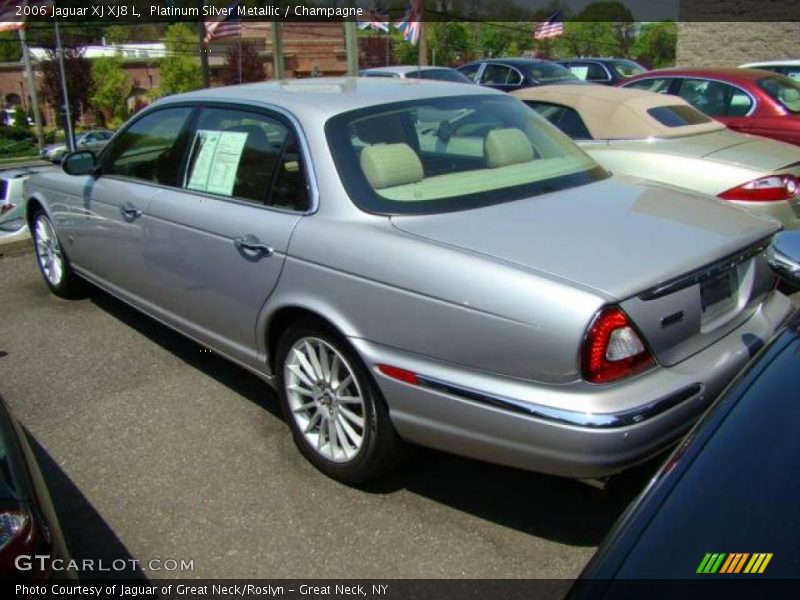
x=112 y=87
x=20 y=118
x=180 y=70
x=655 y=46
x=10 y=49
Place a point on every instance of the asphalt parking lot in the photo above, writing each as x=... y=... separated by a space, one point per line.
x=154 y=448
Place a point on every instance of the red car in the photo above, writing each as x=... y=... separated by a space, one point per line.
x=747 y=100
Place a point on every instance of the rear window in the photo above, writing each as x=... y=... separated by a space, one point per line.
x=678 y=116
x=783 y=90
x=627 y=68
x=446 y=154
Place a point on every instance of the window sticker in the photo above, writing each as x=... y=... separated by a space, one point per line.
x=218 y=154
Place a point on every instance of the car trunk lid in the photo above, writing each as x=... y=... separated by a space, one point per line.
x=626 y=242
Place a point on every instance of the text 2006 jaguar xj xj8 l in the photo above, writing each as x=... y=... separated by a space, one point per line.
x=418 y=261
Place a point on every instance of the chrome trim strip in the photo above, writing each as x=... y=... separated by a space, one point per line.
x=562 y=416
x=693 y=277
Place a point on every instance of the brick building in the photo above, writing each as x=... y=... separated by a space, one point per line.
x=308 y=48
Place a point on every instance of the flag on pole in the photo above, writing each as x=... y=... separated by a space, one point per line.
x=223 y=26
x=409 y=25
x=375 y=18
x=8 y=10
x=551 y=27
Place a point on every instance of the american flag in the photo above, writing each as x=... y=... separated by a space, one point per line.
x=410 y=23
x=375 y=18
x=223 y=26
x=551 y=27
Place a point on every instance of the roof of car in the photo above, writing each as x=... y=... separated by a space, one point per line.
x=514 y=61
x=730 y=73
x=322 y=97
x=789 y=62
x=403 y=68
x=616 y=113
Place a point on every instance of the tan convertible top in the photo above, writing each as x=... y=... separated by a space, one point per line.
x=616 y=113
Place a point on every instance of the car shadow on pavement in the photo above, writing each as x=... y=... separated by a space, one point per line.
x=567 y=511
x=86 y=533
x=224 y=371
x=562 y=510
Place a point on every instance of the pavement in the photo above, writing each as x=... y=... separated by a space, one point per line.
x=155 y=449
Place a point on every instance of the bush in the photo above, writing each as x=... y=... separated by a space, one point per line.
x=16 y=133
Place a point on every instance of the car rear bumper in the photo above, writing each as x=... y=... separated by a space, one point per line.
x=556 y=429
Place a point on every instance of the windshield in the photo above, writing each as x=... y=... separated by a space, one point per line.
x=447 y=154
x=546 y=72
x=783 y=90
x=627 y=68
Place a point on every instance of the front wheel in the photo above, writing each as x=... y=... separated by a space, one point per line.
x=338 y=418
x=52 y=261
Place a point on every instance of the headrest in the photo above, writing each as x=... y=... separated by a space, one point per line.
x=504 y=147
x=388 y=165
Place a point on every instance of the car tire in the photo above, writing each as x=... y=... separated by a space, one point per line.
x=52 y=260
x=337 y=415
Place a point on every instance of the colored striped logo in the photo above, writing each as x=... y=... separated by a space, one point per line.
x=733 y=563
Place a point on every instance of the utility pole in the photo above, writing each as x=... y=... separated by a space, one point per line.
x=67 y=112
x=351 y=47
x=277 y=50
x=37 y=118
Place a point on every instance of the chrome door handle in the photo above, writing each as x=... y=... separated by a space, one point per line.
x=250 y=242
x=129 y=211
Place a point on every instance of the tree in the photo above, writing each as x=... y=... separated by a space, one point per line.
x=655 y=47
x=79 y=82
x=180 y=70
x=112 y=88
x=242 y=65
x=10 y=49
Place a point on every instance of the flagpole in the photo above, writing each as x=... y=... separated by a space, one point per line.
x=201 y=32
x=67 y=112
x=37 y=118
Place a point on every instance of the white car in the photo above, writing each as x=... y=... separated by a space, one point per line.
x=790 y=68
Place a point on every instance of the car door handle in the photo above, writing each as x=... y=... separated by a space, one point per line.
x=130 y=211
x=250 y=242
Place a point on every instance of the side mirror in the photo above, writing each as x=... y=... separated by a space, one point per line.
x=79 y=163
x=783 y=255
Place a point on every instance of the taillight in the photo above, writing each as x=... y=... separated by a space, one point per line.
x=7 y=208
x=613 y=349
x=764 y=189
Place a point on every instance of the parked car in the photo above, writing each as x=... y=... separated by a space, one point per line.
x=664 y=139
x=790 y=68
x=508 y=74
x=607 y=71
x=11 y=184
x=430 y=263
x=746 y=100
x=13 y=226
x=29 y=525
x=89 y=140
x=721 y=509
x=416 y=72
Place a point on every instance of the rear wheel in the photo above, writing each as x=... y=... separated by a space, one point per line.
x=52 y=261
x=338 y=418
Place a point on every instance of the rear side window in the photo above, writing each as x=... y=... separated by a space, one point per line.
x=715 y=98
x=658 y=85
x=678 y=116
x=248 y=156
x=565 y=118
x=151 y=149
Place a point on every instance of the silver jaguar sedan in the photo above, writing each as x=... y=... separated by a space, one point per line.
x=418 y=262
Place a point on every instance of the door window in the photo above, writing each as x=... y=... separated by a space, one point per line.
x=248 y=156
x=151 y=149
x=495 y=75
x=469 y=70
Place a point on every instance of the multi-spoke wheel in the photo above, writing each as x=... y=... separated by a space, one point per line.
x=53 y=263
x=337 y=416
